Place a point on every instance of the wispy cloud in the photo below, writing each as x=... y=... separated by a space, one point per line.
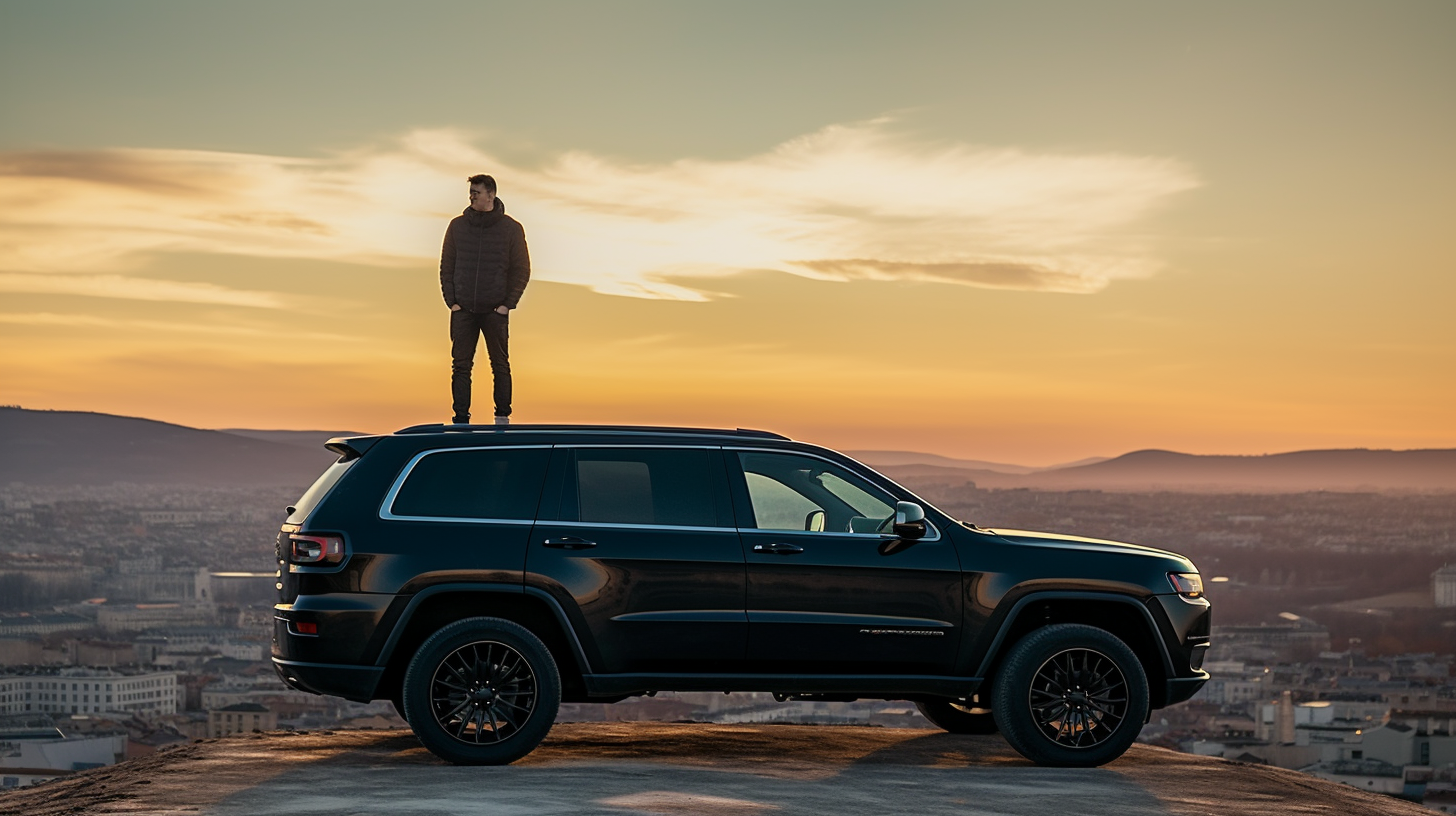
x=849 y=202
x=129 y=288
x=71 y=320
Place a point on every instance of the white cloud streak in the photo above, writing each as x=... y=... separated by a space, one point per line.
x=127 y=288
x=848 y=202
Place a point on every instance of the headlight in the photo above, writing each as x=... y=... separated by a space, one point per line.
x=1187 y=584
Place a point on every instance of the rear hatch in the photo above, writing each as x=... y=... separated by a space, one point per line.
x=349 y=450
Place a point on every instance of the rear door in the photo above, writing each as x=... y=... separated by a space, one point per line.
x=641 y=550
x=828 y=592
x=460 y=514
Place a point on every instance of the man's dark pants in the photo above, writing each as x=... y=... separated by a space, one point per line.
x=466 y=327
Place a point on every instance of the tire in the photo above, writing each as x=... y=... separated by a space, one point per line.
x=481 y=691
x=958 y=718
x=398 y=700
x=1071 y=696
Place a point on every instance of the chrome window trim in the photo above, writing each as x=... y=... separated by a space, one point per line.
x=616 y=525
x=386 y=508
x=926 y=539
x=653 y=446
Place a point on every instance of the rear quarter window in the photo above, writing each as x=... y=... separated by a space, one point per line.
x=489 y=483
x=318 y=490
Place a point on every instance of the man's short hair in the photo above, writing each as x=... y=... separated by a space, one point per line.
x=481 y=178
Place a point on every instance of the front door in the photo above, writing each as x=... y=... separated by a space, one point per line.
x=643 y=553
x=830 y=591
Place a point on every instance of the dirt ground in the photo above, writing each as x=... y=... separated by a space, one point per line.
x=670 y=768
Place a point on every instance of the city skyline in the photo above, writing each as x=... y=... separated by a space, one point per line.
x=1027 y=234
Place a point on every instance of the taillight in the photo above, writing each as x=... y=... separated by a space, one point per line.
x=315 y=549
x=1187 y=584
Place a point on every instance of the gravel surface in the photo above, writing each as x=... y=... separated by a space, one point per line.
x=672 y=768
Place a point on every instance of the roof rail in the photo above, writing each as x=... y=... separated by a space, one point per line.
x=626 y=429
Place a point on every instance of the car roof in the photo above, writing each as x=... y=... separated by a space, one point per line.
x=614 y=430
x=420 y=437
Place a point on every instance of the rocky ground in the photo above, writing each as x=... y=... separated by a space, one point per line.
x=674 y=768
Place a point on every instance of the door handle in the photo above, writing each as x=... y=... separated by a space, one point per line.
x=569 y=543
x=782 y=548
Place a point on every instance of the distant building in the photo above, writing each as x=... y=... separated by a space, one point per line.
x=140 y=617
x=32 y=750
x=181 y=584
x=1371 y=775
x=240 y=718
x=1405 y=743
x=243 y=588
x=44 y=624
x=1301 y=639
x=79 y=690
x=1443 y=584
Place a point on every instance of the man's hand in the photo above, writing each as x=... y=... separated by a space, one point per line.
x=454 y=307
x=502 y=310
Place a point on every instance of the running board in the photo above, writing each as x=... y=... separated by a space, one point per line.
x=875 y=686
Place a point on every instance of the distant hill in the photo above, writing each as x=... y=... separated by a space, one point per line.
x=313 y=440
x=75 y=447
x=879 y=458
x=83 y=448
x=1342 y=470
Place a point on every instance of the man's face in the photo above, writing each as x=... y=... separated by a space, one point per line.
x=481 y=199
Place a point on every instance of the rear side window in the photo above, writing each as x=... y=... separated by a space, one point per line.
x=645 y=486
x=490 y=483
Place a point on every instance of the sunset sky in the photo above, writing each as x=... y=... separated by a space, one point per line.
x=1026 y=232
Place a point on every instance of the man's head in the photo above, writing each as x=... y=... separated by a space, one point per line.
x=482 y=193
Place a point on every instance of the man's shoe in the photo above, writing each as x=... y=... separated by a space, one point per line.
x=502 y=420
x=461 y=420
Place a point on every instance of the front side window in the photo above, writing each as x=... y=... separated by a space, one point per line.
x=489 y=483
x=645 y=486
x=789 y=492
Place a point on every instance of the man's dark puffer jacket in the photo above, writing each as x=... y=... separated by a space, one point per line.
x=484 y=263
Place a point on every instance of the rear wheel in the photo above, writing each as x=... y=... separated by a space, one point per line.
x=482 y=691
x=958 y=718
x=1071 y=696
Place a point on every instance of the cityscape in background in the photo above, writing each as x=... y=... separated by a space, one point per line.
x=134 y=617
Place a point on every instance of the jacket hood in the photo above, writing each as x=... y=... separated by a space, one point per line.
x=494 y=215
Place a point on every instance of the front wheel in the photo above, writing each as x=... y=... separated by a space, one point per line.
x=1071 y=695
x=958 y=718
x=482 y=691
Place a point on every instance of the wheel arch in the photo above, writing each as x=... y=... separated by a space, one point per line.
x=433 y=608
x=1124 y=617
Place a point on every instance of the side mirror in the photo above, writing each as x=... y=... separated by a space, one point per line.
x=909 y=521
x=814 y=522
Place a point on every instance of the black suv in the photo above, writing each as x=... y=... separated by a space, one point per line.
x=477 y=576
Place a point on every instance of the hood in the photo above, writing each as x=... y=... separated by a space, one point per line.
x=1085 y=544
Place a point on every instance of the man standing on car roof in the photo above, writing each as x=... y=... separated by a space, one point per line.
x=484 y=268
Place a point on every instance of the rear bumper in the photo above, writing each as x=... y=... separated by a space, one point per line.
x=1179 y=689
x=356 y=683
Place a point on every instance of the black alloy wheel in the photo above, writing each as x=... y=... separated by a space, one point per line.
x=1071 y=696
x=958 y=717
x=482 y=691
